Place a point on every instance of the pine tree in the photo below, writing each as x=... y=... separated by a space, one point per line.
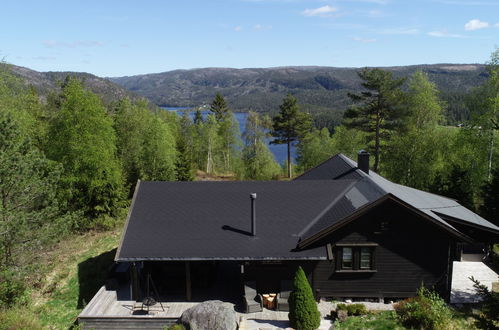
x=219 y=107
x=183 y=166
x=289 y=125
x=303 y=311
x=379 y=113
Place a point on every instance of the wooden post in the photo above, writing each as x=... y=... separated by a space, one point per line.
x=188 y=292
x=135 y=282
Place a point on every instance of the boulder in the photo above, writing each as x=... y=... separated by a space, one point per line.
x=209 y=315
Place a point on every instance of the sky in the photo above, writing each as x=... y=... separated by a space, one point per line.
x=116 y=38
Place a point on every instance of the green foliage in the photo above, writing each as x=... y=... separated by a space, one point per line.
x=219 y=107
x=413 y=157
x=427 y=311
x=489 y=306
x=145 y=143
x=317 y=146
x=177 y=327
x=81 y=137
x=183 y=165
x=228 y=154
x=456 y=185
x=352 y=309
x=303 y=311
x=490 y=196
x=259 y=162
x=380 y=113
x=18 y=319
x=27 y=190
x=375 y=321
x=289 y=125
x=13 y=290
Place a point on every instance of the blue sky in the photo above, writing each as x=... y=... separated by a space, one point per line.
x=115 y=38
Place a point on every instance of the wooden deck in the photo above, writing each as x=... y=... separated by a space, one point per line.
x=105 y=311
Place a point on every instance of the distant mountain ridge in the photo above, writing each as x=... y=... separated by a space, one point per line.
x=46 y=82
x=262 y=89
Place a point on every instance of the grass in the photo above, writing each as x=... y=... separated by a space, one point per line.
x=388 y=320
x=375 y=321
x=72 y=272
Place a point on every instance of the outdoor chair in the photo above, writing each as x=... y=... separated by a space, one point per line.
x=252 y=300
x=283 y=296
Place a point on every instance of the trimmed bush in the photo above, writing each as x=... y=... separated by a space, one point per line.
x=356 y=309
x=427 y=310
x=303 y=311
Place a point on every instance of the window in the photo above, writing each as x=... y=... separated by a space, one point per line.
x=347 y=258
x=355 y=257
x=365 y=257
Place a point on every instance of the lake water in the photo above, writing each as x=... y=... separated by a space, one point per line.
x=279 y=150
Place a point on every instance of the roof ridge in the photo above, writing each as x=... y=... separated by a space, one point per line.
x=326 y=209
x=339 y=154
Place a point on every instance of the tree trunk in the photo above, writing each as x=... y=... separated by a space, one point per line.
x=289 y=159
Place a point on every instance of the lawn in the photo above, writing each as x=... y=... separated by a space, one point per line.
x=75 y=269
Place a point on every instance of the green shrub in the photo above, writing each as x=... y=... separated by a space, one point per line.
x=341 y=307
x=303 y=311
x=489 y=313
x=13 y=291
x=14 y=319
x=356 y=309
x=427 y=310
x=176 y=327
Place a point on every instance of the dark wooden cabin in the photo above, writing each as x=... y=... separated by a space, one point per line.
x=355 y=234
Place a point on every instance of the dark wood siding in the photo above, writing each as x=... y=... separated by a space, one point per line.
x=410 y=251
x=268 y=275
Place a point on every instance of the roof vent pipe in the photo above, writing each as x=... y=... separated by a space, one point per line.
x=253 y=214
x=363 y=161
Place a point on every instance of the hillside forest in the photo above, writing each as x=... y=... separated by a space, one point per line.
x=69 y=162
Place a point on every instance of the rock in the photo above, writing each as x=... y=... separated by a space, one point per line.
x=208 y=315
x=342 y=315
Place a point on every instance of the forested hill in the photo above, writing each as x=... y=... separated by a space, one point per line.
x=316 y=88
x=46 y=82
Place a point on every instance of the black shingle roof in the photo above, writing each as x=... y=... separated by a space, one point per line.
x=212 y=220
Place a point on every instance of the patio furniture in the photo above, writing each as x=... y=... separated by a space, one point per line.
x=252 y=300
x=269 y=300
x=283 y=296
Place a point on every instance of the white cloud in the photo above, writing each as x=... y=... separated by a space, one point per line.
x=411 y=31
x=444 y=34
x=496 y=25
x=238 y=28
x=260 y=27
x=363 y=40
x=321 y=11
x=475 y=24
x=73 y=44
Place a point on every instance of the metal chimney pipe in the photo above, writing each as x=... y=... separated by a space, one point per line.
x=253 y=214
x=363 y=161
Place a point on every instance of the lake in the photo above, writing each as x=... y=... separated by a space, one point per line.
x=279 y=150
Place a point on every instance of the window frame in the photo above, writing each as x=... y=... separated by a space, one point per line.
x=356 y=258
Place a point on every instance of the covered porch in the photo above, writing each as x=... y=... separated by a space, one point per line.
x=107 y=310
